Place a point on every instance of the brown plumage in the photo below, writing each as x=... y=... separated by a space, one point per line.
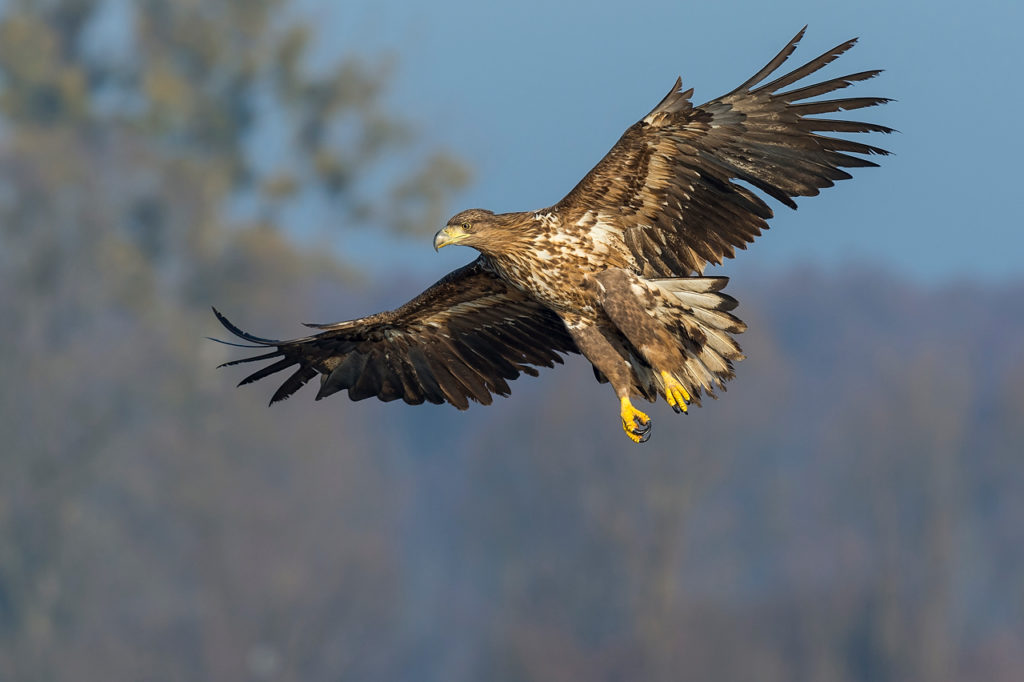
x=613 y=270
x=463 y=338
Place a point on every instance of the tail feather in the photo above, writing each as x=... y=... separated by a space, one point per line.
x=700 y=313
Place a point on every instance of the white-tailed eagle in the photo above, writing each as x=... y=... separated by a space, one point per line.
x=613 y=270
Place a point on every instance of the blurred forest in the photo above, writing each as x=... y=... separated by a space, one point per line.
x=850 y=511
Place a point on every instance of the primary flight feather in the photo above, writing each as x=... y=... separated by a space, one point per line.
x=613 y=270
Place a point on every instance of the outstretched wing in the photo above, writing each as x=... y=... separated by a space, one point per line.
x=461 y=339
x=668 y=186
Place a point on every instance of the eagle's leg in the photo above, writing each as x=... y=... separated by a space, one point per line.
x=609 y=358
x=623 y=297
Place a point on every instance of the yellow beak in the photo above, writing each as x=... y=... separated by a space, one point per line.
x=450 y=234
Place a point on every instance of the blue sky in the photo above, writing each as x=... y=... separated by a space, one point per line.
x=533 y=93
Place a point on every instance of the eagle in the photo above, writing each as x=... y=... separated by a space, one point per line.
x=613 y=271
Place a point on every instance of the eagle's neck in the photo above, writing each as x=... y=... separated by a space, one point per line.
x=521 y=223
x=513 y=235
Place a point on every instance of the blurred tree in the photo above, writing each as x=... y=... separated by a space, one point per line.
x=137 y=186
x=226 y=83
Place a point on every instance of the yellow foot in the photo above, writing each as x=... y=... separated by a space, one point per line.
x=675 y=394
x=635 y=423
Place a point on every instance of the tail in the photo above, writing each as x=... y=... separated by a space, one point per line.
x=699 y=316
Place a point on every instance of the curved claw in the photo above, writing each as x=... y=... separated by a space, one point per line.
x=642 y=430
x=635 y=423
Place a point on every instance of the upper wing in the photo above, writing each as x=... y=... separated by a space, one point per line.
x=461 y=338
x=668 y=184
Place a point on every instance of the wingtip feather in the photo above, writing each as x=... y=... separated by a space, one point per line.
x=241 y=334
x=776 y=61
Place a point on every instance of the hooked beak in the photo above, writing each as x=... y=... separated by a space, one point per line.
x=450 y=234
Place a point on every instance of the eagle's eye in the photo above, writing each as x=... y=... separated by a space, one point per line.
x=466 y=226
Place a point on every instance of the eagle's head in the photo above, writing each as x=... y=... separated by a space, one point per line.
x=476 y=227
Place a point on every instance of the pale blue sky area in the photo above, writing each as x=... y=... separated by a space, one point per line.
x=532 y=93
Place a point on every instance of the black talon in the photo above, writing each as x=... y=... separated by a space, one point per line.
x=676 y=408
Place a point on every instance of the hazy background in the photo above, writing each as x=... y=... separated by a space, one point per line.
x=850 y=510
